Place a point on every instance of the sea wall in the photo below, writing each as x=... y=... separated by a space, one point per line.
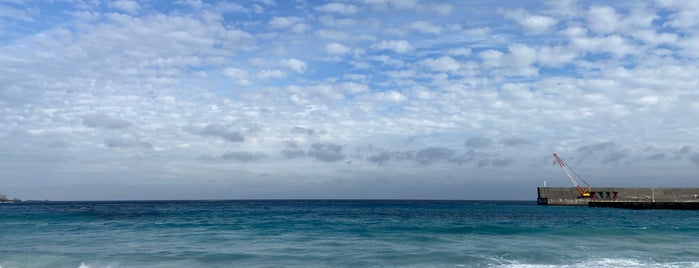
x=568 y=196
x=685 y=205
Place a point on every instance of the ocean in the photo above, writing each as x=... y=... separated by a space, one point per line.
x=342 y=233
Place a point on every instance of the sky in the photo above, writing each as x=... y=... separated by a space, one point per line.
x=394 y=99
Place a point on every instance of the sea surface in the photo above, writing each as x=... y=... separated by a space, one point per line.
x=342 y=233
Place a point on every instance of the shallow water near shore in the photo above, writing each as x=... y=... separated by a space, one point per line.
x=342 y=233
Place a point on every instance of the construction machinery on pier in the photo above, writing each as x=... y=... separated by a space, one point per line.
x=584 y=192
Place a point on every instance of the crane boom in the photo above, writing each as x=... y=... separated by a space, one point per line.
x=573 y=177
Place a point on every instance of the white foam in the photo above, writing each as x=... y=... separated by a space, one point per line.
x=606 y=262
x=84 y=265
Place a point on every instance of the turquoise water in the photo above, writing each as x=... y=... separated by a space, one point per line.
x=333 y=233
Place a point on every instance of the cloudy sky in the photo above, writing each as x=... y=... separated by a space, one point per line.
x=344 y=99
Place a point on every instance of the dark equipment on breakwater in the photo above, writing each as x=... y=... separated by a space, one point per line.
x=646 y=205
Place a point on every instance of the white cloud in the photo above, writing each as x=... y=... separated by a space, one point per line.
x=442 y=64
x=339 y=8
x=391 y=4
x=690 y=46
x=330 y=34
x=86 y=15
x=614 y=44
x=440 y=8
x=492 y=58
x=126 y=6
x=295 y=65
x=226 y=7
x=331 y=21
x=284 y=22
x=316 y=93
x=564 y=8
x=406 y=74
x=336 y=48
x=523 y=55
x=402 y=4
x=653 y=38
x=575 y=31
x=101 y=120
x=354 y=88
x=536 y=24
x=684 y=15
x=399 y=46
x=267 y=74
x=386 y=97
x=426 y=27
x=518 y=62
x=603 y=20
x=299 y=28
x=196 y=4
x=463 y=52
x=10 y=12
x=556 y=56
x=236 y=73
x=239 y=75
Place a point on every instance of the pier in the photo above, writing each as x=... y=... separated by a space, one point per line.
x=622 y=197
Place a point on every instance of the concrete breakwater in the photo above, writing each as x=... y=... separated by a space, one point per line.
x=683 y=205
x=569 y=196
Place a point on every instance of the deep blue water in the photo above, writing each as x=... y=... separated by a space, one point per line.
x=346 y=233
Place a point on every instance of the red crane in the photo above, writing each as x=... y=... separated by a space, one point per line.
x=573 y=177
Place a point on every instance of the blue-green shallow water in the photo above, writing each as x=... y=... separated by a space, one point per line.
x=333 y=233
